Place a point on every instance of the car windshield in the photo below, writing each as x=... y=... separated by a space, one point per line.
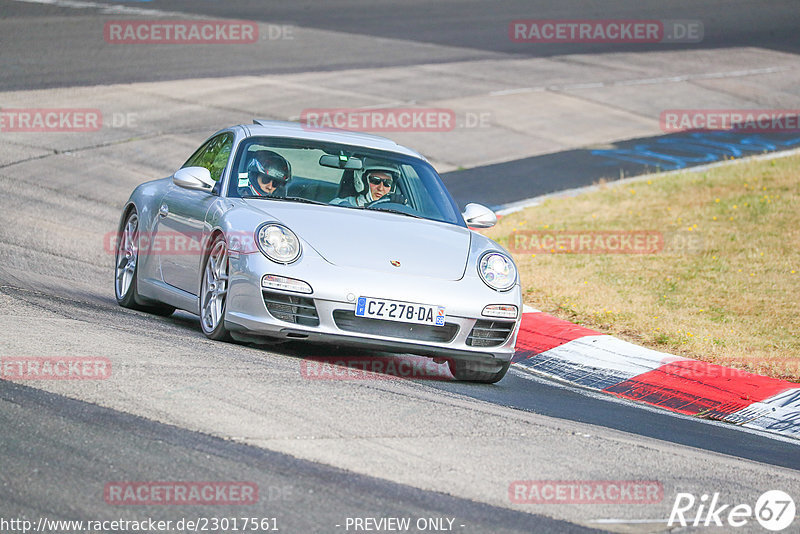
x=349 y=177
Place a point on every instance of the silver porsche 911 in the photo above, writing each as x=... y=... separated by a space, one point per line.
x=275 y=231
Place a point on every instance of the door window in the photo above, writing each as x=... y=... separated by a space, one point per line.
x=213 y=155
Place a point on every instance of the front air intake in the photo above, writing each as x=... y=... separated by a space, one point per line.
x=291 y=309
x=489 y=333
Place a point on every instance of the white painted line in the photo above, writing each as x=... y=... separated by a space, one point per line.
x=529 y=309
x=708 y=76
x=592 y=85
x=779 y=413
x=678 y=78
x=519 y=205
x=629 y=521
x=609 y=353
x=534 y=376
x=515 y=91
x=109 y=9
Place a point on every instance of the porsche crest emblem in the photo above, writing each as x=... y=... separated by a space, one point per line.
x=395 y=263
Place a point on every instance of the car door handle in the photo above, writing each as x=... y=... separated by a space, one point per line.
x=163 y=211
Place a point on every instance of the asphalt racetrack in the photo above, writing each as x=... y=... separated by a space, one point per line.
x=323 y=453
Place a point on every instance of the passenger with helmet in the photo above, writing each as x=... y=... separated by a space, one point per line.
x=377 y=183
x=267 y=175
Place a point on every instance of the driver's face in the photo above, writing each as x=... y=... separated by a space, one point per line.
x=380 y=189
x=267 y=184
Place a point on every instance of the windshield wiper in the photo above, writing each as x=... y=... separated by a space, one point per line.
x=399 y=212
x=303 y=200
x=290 y=199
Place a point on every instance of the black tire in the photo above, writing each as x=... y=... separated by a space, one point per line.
x=215 y=329
x=126 y=291
x=471 y=371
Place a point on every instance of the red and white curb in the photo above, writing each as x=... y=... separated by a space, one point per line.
x=566 y=351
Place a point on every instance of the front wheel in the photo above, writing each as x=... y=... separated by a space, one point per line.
x=126 y=262
x=471 y=371
x=214 y=292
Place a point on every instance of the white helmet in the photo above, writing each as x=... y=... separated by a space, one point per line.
x=360 y=182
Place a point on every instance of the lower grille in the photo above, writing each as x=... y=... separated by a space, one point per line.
x=347 y=320
x=489 y=333
x=292 y=309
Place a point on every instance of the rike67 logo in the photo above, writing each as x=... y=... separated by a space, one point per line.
x=774 y=510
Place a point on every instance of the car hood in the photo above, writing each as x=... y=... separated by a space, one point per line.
x=371 y=239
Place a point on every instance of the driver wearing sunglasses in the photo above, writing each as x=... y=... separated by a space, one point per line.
x=377 y=184
x=267 y=174
x=380 y=183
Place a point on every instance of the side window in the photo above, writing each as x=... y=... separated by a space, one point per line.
x=213 y=155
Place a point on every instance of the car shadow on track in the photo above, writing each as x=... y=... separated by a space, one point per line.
x=334 y=362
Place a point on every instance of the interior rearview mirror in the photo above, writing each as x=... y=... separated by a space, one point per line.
x=341 y=162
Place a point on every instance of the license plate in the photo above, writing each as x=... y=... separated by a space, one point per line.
x=395 y=310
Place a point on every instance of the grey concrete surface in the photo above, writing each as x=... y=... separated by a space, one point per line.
x=56 y=296
x=60 y=194
x=345 y=34
x=51 y=443
x=592 y=100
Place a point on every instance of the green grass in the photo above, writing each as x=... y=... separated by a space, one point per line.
x=726 y=287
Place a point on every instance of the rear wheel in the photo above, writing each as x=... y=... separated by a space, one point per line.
x=471 y=371
x=214 y=291
x=126 y=261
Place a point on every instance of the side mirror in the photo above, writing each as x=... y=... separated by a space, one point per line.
x=479 y=216
x=194 y=178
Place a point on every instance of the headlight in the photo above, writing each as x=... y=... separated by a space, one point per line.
x=278 y=243
x=497 y=271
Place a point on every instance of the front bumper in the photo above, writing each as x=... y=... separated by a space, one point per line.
x=335 y=290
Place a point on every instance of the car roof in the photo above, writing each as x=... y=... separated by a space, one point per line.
x=297 y=130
